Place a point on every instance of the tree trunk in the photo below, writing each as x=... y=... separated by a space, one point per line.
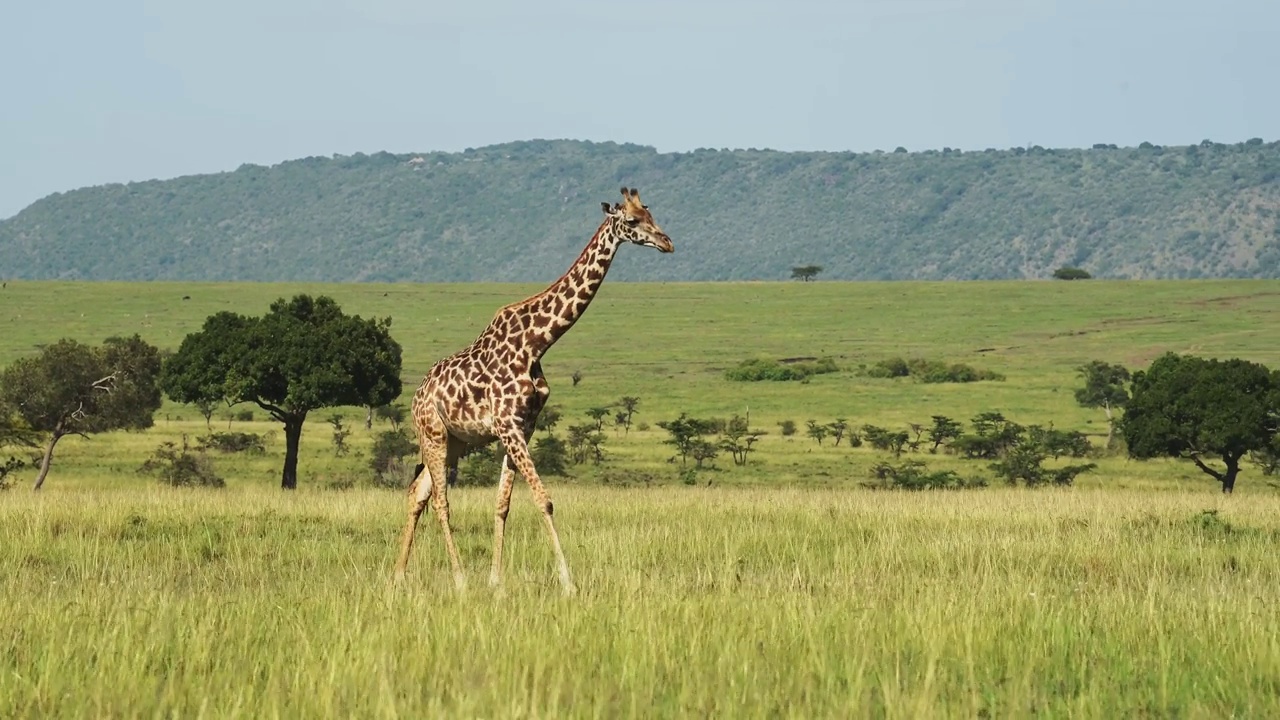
x=48 y=460
x=1229 y=477
x=1111 y=424
x=368 y=418
x=292 y=435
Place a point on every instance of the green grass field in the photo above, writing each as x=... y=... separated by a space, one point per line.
x=782 y=589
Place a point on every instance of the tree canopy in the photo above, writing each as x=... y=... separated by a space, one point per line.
x=1071 y=273
x=805 y=273
x=304 y=354
x=73 y=388
x=1104 y=387
x=1189 y=407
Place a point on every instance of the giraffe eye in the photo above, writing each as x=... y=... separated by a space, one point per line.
x=633 y=221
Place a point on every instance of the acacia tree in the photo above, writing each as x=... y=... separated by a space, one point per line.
x=1104 y=387
x=304 y=354
x=70 y=388
x=805 y=272
x=1194 y=408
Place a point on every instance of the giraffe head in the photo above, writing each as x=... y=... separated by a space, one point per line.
x=633 y=222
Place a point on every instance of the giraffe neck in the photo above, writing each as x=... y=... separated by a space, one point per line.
x=554 y=310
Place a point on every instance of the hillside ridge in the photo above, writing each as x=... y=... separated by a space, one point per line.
x=521 y=211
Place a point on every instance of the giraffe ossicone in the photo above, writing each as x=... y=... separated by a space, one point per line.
x=494 y=388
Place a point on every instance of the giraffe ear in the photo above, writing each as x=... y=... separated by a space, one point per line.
x=605 y=206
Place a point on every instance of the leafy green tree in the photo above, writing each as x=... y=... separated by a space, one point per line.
x=597 y=415
x=586 y=442
x=304 y=354
x=629 y=404
x=1025 y=464
x=181 y=468
x=548 y=418
x=550 y=455
x=206 y=408
x=1104 y=387
x=393 y=413
x=805 y=272
x=74 y=389
x=686 y=433
x=388 y=455
x=703 y=450
x=738 y=439
x=340 y=434
x=838 y=429
x=1189 y=407
x=944 y=429
x=817 y=431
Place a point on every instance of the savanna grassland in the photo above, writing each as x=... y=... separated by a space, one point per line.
x=780 y=589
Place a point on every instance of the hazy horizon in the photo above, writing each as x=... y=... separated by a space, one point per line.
x=147 y=90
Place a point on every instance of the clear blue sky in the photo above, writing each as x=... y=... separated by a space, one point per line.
x=94 y=92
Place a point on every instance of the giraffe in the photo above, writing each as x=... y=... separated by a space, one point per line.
x=494 y=388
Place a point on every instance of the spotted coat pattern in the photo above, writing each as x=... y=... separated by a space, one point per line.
x=494 y=388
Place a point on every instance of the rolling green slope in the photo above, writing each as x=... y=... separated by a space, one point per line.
x=521 y=212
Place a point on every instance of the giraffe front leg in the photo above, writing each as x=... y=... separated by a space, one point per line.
x=505 y=480
x=514 y=443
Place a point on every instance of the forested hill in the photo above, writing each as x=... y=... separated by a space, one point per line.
x=521 y=212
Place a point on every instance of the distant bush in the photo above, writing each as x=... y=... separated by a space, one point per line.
x=393 y=458
x=930 y=371
x=913 y=475
x=181 y=468
x=482 y=467
x=761 y=369
x=1071 y=273
x=550 y=456
x=232 y=442
x=7 y=467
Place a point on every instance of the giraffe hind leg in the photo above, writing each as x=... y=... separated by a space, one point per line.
x=438 y=464
x=419 y=494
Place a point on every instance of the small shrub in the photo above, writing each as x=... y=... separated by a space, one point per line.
x=181 y=468
x=914 y=475
x=393 y=413
x=393 y=459
x=630 y=476
x=891 y=368
x=550 y=456
x=1024 y=464
x=1071 y=273
x=481 y=467
x=8 y=467
x=689 y=476
x=761 y=369
x=244 y=415
x=340 y=434
x=788 y=428
x=929 y=371
x=232 y=442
